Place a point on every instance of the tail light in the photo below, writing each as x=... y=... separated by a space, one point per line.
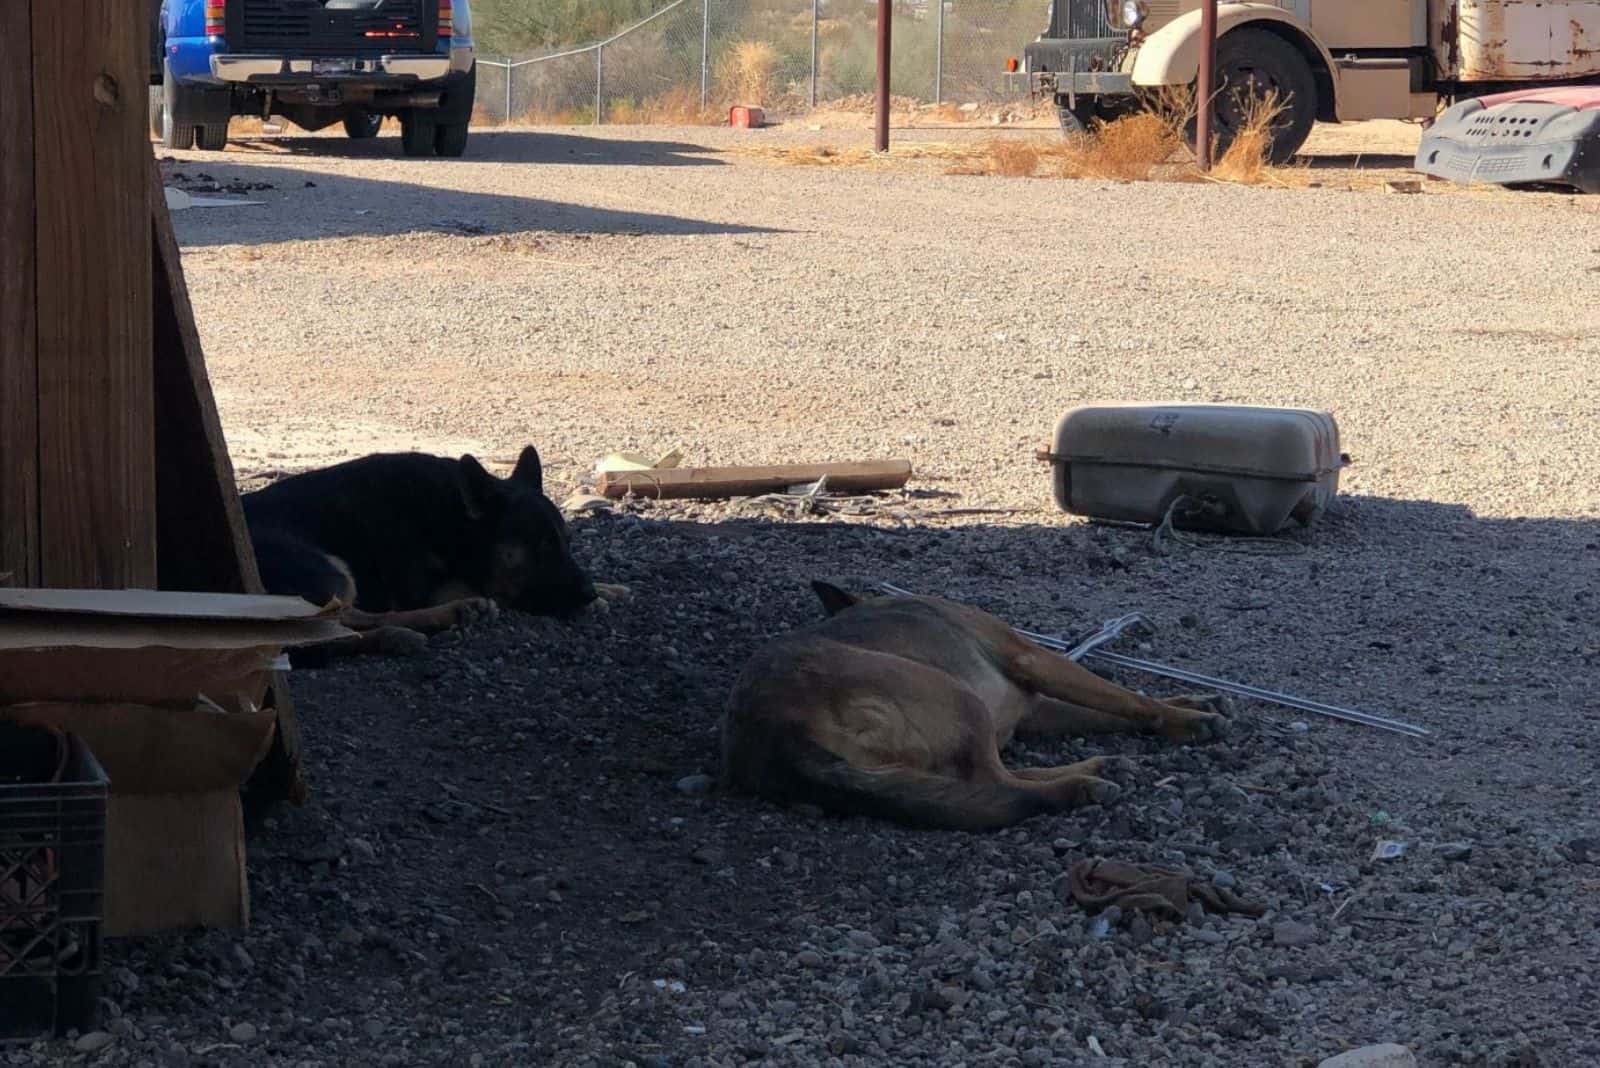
x=1011 y=65
x=215 y=18
x=446 y=19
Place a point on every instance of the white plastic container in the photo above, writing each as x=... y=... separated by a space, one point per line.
x=1257 y=468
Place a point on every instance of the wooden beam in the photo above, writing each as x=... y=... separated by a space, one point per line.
x=19 y=366
x=92 y=270
x=712 y=482
x=202 y=542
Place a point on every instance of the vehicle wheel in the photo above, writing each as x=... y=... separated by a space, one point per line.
x=416 y=135
x=212 y=136
x=1253 y=65
x=1075 y=121
x=158 y=95
x=173 y=134
x=450 y=139
x=360 y=125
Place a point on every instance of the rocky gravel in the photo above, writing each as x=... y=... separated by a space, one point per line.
x=516 y=851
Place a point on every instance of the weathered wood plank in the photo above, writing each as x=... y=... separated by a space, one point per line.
x=712 y=482
x=93 y=294
x=201 y=538
x=19 y=381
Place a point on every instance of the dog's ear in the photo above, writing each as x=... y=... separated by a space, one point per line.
x=834 y=600
x=529 y=471
x=481 y=492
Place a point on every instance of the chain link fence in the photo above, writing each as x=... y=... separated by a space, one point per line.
x=690 y=59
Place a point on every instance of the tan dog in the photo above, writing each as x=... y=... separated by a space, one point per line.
x=899 y=706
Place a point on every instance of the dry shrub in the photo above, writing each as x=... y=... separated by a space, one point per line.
x=1129 y=149
x=481 y=116
x=675 y=107
x=747 y=72
x=1012 y=158
x=1245 y=161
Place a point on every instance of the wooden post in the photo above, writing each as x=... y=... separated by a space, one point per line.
x=76 y=196
x=1205 y=84
x=19 y=358
x=885 y=28
x=96 y=336
x=202 y=541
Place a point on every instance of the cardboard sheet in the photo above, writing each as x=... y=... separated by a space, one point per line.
x=164 y=605
x=161 y=750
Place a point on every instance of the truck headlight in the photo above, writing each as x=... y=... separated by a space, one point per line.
x=1133 y=13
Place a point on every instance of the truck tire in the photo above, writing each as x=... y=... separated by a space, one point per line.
x=417 y=134
x=454 y=116
x=1251 y=64
x=360 y=125
x=1075 y=120
x=450 y=139
x=158 y=95
x=174 y=131
x=212 y=136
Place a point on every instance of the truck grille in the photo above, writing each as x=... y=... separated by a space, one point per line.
x=1087 y=19
x=306 y=27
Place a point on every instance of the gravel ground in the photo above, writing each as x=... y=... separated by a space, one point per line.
x=511 y=855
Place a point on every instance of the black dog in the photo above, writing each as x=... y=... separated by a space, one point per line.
x=417 y=542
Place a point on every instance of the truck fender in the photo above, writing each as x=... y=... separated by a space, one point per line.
x=1171 y=55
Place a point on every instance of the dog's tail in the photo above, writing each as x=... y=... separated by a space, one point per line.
x=907 y=795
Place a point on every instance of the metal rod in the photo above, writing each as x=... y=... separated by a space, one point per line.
x=1205 y=84
x=599 y=50
x=885 y=22
x=705 y=52
x=938 y=54
x=814 y=15
x=507 y=119
x=1151 y=667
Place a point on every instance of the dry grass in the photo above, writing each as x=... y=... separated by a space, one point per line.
x=675 y=107
x=1245 y=161
x=747 y=73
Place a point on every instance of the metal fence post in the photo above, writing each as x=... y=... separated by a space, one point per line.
x=814 y=4
x=599 y=51
x=705 y=52
x=507 y=119
x=938 y=54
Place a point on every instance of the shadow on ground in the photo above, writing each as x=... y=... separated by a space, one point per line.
x=300 y=203
x=1358 y=161
x=496 y=146
x=507 y=840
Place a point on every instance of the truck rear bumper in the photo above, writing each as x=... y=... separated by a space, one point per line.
x=288 y=70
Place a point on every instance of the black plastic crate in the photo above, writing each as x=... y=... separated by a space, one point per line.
x=52 y=877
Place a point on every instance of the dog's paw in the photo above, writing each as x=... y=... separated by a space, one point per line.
x=475 y=611
x=1115 y=768
x=1101 y=791
x=1220 y=703
x=1119 y=769
x=1087 y=790
x=611 y=592
x=398 y=641
x=1187 y=725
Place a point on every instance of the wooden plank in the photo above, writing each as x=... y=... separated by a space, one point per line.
x=711 y=482
x=92 y=271
x=19 y=381
x=201 y=539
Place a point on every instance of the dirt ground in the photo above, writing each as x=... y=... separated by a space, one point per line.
x=511 y=857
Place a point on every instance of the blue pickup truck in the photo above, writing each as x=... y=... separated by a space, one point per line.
x=315 y=63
